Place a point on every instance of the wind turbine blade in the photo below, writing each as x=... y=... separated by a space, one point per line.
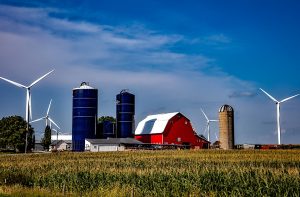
x=46 y=118
x=49 y=107
x=33 y=83
x=286 y=99
x=214 y=120
x=204 y=114
x=56 y=131
x=216 y=137
x=54 y=123
x=14 y=83
x=37 y=120
x=27 y=108
x=271 y=97
x=205 y=130
x=29 y=104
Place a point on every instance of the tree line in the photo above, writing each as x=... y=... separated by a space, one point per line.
x=13 y=134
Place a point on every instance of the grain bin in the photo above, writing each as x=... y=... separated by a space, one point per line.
x=85 y=113
x=226 y=121
x=106 y=129
x=125 y=114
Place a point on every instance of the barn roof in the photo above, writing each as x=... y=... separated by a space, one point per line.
x=225 y=108
x=54 y=142
x=154 y=124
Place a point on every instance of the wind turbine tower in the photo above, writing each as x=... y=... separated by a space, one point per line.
x=278 y=110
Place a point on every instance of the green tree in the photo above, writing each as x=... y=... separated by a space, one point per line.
x=13 y=134
x=106 y=118
x=46 y=140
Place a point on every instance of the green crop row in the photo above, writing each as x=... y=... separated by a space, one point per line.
x=153 y=173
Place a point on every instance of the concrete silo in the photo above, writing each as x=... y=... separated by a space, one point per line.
x=85 y=113
x=226 y=121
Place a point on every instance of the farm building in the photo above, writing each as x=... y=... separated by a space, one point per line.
x=61 y=145
x=110 y=144
x=245 y=146
x=169 y=128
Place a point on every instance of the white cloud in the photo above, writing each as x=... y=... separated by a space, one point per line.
x=218 y=38
x=242 y=94
x=113 y=58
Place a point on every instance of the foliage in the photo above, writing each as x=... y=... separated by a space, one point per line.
x=106 y=118
x=46 y=140
x=13 y=133
x=154 y=173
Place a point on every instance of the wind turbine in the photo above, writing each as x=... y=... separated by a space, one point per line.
x=278 y=110
x=47 y=118
x=207 y=124
x=28 y=93
x=28 y=99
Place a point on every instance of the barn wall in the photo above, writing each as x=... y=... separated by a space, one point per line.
x=180 y=131
x=151 y=139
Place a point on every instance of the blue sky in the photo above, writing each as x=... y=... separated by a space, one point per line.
x=174 y=56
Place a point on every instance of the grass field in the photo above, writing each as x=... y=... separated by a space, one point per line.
x=153 y=173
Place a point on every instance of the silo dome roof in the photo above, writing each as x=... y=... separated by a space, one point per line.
x=125 y=91
x=225 y=108
x=84 y=85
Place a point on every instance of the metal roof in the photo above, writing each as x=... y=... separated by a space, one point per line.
x=61 y=137
x=225 y=108
x=114 y=141
x=84 y=85
x=154 y=124
x=54 y=142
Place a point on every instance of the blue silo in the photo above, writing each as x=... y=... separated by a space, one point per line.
x=85 y=113
x=125 y=114
x=108 y=129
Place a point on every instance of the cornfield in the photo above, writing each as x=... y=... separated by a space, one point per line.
x=153 y=173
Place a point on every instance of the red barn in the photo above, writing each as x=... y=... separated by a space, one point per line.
x=170 y=128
